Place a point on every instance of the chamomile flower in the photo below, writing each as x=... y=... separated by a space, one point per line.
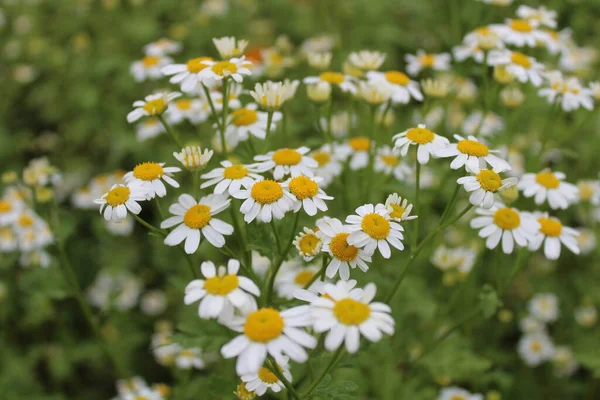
x=319 y=60
x=465 y=51
x=272 y=95
x=399 y=209
x=149 y=128
x=8 y=240
x=246 y=121
x=190 y=358
x=472 y=154
x=483 y=38
x=149 y=67
x=194 y=219
x=286 y=161
x=265 y=199
x=552 y=233
x=540 y=15
x=374 y=92
x=372 y=228
x=586 y=315
x=388 y=161
x=269 y=331
x=508 y=224
x=235 y=68
x=549 y=185
x=221 y=291
x=120 y=199
x=187 y=75
x=150 y=175
x=483 y=185
x=329 y=164
x=564 y=361
x=535 y=348
x=344 y=82
x=415 y=63
x=519 y=32
x=265 y=379
x=152 y=105
x=544 y=307
x=190 y=109
x=530 y=324
x=10 y=210
x=571 y=93
x=427 y=142
x=295 y=278
x=162 y=47
x=366 y=60
x=230 y=177
x=359 y=152
x=524 y=68
x=347 y=313
x=229 y=47
x=344 y=255
x=192 y=157
x=308 y=243
x=305 y=193
x=403 y=88
x=456 y=393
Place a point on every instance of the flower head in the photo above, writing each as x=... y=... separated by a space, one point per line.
x=152 y=105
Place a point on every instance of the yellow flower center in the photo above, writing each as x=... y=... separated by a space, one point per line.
x=221 y=285
x=25 y=221
x=236 y=171
x=586 y=191
x=150 y=61
x=397 y=211
x=265 y=375
x=197 y=217
x=427 y=60
x=457 y=397
x=303 y=277
x=397 y=78
x=375 y=226
x=163 y=389
x=196 y=65
x=520 y=25
x=264 y=325
x=535 y=346
x=303 y=187
x=489 y=180
x=420 y=135
x=187 y=353
x=244 y=117
x=140 y=398
x=392 y=161
x=520 y=59
x=483 y=31
x=184 y=104
x=154 y=107
x=332 y=77
x=507 y=218
x=472 y=148
x=547 y=180
x=351 y=312
x=322 y=157
x=5 y=206
x=550 y=227
x=266 y=192
x=222 y=67
x=341 y=249
x=118 y=196
x=360 y=143
x=308 y=243
x=148 y=171
x=287 y=157
x=243 y=393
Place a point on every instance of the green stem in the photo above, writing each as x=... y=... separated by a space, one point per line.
x=195 y=183
x=372 y=150
x=450 y=204
x=147 y=225
x=161 y=214
x=339 y=353
x=329 y=117
x=273 y=366
x=170 y=131
x=277 y=241
x=415 y=234
x=268 y=130
x=225 y=89
x=271 y=281
x=319 y=273
x=190 y=262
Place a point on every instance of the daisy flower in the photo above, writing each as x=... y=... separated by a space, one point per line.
x=399 y=209
x=9 y=211
x=564 y=361
x=305 y=193
x=367 y=60
x=292 y=279
x=374 y=92
x=264 y=199
x=519 y=65
x=472 y=154
x=120 y=199
x=192 y=157
x=190 y=358
x=544 y=307
x=540 y=15
x=272 y=95
x=286 y=161
x=519 y=32
x=265 y=379
x=231 y=177
x=346 y=313
x=152 y=105
x=308 y=243
x=508 y=224
x=415 y=63
x=552 y=233
x=162 y=47
x=535 y=348
x=586 y=315
x=456 y=393
x=235 y=68
x=221 y=291
x=329 y=164
x=150 y=175
x=149 y=128
x=344 y=82
x=571 y=93
x=427 y=142
x=149 y=67
x=247 y=121
x=531 y=324
x=465 y=51
x=550 y=185
x=484 y=185
x=359 y=149
x=319 y=60
x=190 y=109
x=8 y=240
x=194 y=219
x=229 y=47
x=403 y=88
x=373 y=229
x=343 y=255
x=483 y=38
x=388 y=161
x=269 y=331
x=187 y=75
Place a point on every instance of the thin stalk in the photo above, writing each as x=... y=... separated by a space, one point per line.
x=268 y=130
x=319 y=273
x=415 y=234
x=372 y=148
x=450 y=203
x=277 y=241
x=336 y=357
x=271 y=280
x=275 y=369
x=147 y=225
x=170 y=131
x=225 y=89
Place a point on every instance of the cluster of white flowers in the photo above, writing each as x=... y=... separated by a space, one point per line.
x=137 y=388
x=168 y=353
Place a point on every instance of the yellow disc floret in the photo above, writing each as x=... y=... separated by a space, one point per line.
x=303 y=187
x=244 y=117
x=148 y=171
x=264 y=325
x=341 y=249
x=420 y=135
x=397 y=78
x=197 y=217
x=236 y=171
x=303 y=277
x=266 y=192
x=550 y=227
x=287 y=157
x=118 y=196
x=489 y=180
x=156 y=106
x=150 y=61
x=332 y=77
x=309 y=243
x=221 y=285
x=196 y=65
x=547 y=180
x=5 y=206
x=360 y=143
x=521 y=25
x=397 y=211
x=520 y=59
x=222 y=67
x=392 y=161
x=267 y=376
x=473 y=148
x=351 y=312
x=322 y=157
x=184 y=104
x=507 y=218
x=375 y=226
x=427 y=60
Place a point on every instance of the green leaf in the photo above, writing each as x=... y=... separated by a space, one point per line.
x=337 y=391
